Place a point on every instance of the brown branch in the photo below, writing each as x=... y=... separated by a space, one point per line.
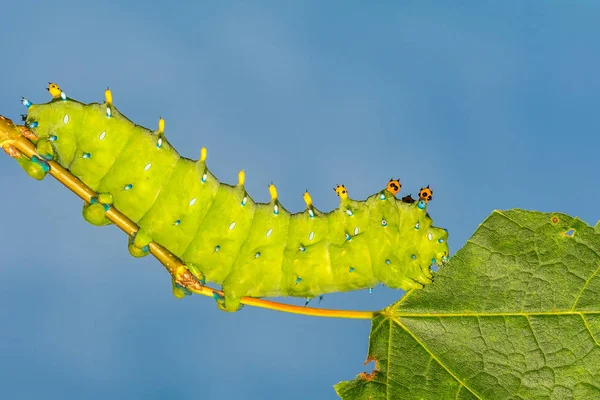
x=14 y=140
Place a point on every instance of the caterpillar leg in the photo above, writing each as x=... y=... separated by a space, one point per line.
x=45 y=149
x=95 y=213
x=239 y=283
x=195 y=270
x=35 y=168
x=182 y=275
x=228 y=303
x=427 y=275
x=138 y=245
x=178 y=290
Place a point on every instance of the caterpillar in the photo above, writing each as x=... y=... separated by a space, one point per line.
x=221 y=234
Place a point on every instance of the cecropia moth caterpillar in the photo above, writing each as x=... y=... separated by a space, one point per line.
x=219 y=232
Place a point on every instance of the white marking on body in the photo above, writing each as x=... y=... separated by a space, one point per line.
x=355 y=230
x=269 y=232
x=192 y=201
x=66 y=118
x=429 y=236
x=311 y=236
x=102 y=135
x=147 y=167
x=232 y=225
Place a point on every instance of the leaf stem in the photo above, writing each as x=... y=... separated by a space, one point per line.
x=11 y=138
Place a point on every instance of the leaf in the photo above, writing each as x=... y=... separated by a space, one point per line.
x=515 y=314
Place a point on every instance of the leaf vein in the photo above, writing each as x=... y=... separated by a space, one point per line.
x=416 y=339
x=584 y=287
x=589 y=330
x=537 y=342
x=498 y=314
x=458 y=391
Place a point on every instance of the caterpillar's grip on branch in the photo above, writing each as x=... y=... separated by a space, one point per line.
x=219 y=232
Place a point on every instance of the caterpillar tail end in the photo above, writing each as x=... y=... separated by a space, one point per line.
x=36 y=167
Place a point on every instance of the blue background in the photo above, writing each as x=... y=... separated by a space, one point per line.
x=493 y=104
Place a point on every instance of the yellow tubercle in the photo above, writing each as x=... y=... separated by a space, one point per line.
x=54 y=90
x=241 y=178
x=341 y=191
x=161 y=125
x=273 y=192
x=203 y=154
x=307 y=199
x=108 y=96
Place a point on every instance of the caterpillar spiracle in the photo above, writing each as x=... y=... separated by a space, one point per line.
x=220 y=233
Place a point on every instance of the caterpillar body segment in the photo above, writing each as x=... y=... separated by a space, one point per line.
x=218 y=230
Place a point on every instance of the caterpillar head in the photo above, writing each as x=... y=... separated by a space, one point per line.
x=426 y=194
x=394 y=186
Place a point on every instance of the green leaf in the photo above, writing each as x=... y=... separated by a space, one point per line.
x=515 y=314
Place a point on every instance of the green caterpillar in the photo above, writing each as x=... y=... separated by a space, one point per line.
x=217 y=230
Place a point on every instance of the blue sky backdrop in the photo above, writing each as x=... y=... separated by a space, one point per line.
x=494 y=104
